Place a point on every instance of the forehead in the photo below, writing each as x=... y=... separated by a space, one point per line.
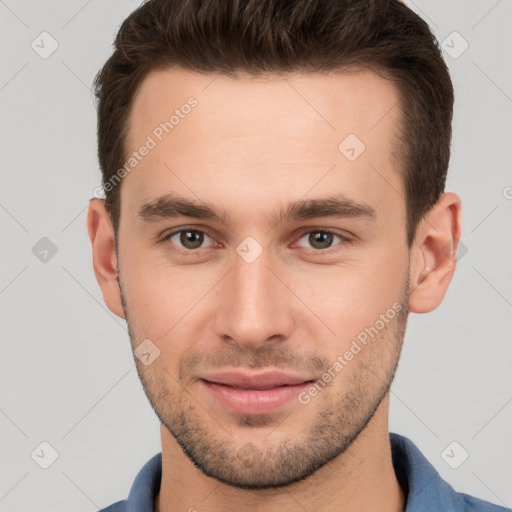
x=262 y=133
x=303 y=103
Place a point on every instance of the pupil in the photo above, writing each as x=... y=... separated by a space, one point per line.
x=320 y=239
x=191 y=239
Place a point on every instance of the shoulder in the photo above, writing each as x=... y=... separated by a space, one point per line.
x=144 y=490
x=119 y=506
x=473 y=504
x=424 y=487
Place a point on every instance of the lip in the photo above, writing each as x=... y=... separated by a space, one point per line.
x=257 y=381
x=261 y=393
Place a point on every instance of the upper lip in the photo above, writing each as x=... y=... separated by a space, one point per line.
x=264 y=380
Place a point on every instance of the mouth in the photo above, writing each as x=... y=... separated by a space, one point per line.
x=263 y=393
x=257 y=381
x=255 y=387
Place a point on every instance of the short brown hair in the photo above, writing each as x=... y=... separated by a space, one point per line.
x=272 y=36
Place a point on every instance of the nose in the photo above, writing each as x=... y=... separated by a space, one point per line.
x=255 y=306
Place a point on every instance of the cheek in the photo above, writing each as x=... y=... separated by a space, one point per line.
x=352 y=296
x=334 y=303
x=164 y=301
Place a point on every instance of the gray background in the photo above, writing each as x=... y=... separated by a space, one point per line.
x=67 y=373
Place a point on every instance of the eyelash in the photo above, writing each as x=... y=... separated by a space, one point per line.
x=335 y=247
x=344 y=240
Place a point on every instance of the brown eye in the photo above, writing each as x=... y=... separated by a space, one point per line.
x=189 y=239
x=320 y=239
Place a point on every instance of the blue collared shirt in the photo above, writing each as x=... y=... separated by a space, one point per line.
x=426 y=491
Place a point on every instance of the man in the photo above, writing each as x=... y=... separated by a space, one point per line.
x=274 y=176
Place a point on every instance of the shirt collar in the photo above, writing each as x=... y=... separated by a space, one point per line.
x=423 y=487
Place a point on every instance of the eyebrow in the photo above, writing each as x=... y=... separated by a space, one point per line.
x=172 y=206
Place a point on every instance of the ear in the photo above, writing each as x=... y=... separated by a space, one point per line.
x=101 y=234
x=434 y=254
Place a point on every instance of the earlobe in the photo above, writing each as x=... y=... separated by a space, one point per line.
x=434 y=254
x=101 y=235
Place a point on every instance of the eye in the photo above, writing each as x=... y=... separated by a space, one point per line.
x=321 y=239
x=190 y=239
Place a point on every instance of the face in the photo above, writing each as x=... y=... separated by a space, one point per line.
x=252 y=247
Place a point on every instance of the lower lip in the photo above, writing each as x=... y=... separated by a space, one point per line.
x=254 y=401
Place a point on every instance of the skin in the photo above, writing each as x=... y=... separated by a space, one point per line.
x=295 y=308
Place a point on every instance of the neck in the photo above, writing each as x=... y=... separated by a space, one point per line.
x=360 y=479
